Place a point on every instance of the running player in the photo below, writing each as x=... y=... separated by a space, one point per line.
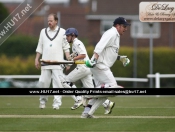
x=105 y=55
x=81 y=72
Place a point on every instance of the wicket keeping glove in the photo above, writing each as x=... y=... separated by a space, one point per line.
x=123 y=59
x=91 y=63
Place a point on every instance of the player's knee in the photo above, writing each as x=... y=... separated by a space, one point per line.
x=65 y=83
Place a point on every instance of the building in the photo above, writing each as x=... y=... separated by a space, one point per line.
x=103 y=12
x=93 y=17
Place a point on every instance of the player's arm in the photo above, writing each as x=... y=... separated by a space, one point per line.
x=37 y=63
x=79 y=57
x=80 y=52
x=104 y=42
x=39 y=50
x=101 y=45
x=96 y=56
x=66 y=47
x=67 y=54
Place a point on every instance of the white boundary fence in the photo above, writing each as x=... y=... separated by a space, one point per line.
x=19 y=76
x=157 y=77
x=37 y=76
x=18 y=84
x=131 y=79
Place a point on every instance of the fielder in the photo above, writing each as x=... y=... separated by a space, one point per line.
x=81 y=72
x=52 y=45
x=105 y=55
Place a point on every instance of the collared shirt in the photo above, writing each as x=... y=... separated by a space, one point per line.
x=52 y=33
x=108 y=47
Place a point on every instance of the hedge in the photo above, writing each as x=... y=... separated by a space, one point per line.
x=19 y=45
x=163 y=62
x=18 y=65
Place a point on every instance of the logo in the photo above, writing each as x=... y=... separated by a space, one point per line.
x=157 y=11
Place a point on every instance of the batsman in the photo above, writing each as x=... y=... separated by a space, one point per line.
x=105 y=54
x=81 y=72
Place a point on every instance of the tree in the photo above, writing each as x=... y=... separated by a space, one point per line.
x=3 y=12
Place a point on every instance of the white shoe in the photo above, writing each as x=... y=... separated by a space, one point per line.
x=77 y=105
x=109 y=108
x=86 y=115
x=42 y=106
x=56 y=108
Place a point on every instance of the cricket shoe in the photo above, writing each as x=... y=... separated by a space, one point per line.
x=42 y=106
x=86 y=115
x=108 y=109
x=77 y=105
x=56 y=108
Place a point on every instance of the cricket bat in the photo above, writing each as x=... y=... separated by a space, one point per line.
x=51 y=62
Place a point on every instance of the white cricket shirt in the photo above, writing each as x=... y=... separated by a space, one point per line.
x=79 y=48
x=51 y=46
x=108 y=47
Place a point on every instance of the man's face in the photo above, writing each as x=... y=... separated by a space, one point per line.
x=121 y=28
x=51 y=22
x=69 y=38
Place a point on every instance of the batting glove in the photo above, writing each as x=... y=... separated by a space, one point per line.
x=70 y=58
x=91 y=63
x=124 y=60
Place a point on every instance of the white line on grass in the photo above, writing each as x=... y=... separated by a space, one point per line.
x=78 y=116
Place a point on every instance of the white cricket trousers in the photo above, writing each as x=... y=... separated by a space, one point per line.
x=82 y=73
x=45 y=81
x=101 y=76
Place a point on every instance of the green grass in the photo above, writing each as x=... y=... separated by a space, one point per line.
x=131 y=114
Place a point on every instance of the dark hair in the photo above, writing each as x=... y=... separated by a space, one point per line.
x=54 y=15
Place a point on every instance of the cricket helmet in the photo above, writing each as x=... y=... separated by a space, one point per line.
x=71 y=31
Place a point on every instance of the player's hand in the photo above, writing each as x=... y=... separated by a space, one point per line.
x=71 y=57
x=124 y=60
x=90 y=63
x=68 y=67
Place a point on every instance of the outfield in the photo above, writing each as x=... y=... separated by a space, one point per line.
x=131 y=114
